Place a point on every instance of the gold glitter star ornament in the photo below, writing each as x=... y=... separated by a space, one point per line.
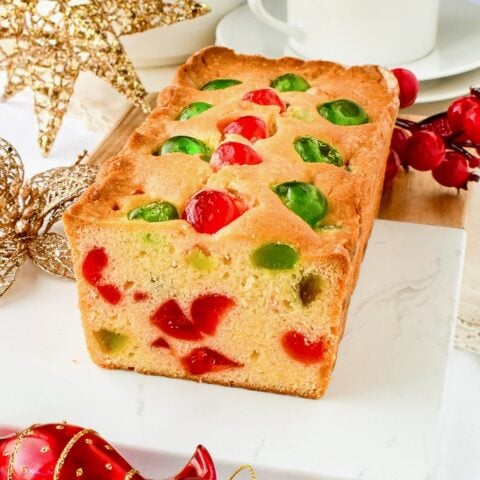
x=54 y=40
x=29 y=210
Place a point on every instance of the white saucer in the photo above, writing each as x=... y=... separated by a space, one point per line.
x=457 y=48
x=448 y=88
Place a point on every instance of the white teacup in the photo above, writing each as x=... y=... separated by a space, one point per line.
x=386 y=32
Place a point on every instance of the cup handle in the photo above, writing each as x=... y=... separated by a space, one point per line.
x=257 y=8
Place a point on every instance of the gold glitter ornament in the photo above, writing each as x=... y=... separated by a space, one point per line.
x=52 y=42
x=134 y=16
x=29 y=210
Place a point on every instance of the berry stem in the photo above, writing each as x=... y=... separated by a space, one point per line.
x=468 y=144
x=475 y=91
x=432 y=118
x=473 y=161
x=406 y=124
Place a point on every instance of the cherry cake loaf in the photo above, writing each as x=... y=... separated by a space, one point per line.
x=223 y=243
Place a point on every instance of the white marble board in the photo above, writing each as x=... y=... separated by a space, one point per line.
x=381 y=418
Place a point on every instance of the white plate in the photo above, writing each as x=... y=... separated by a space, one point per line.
x=457 y=48
x=380 y=418
x=448 y=88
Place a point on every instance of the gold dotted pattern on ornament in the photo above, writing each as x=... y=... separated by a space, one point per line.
x=66 y=450
x=17 y=446
x=130 y=474
x=79 y=472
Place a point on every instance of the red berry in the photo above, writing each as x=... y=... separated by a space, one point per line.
x=210 y=210
x=302 y=349
x=393 y=164
x=250 y=127
x=424 y=150
x=471 y=124
x=208 y=310
x=171 y=320
x=439 y=125
x=265 y=96
x=409 y=86
x=458 y=109
x=110 y=293
x=204 y=360
x=234 y=153
x=95 y=262
x=399 y=140
x=453 y=171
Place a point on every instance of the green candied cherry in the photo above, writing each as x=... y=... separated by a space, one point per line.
x=200 y=260
x=192 y=110
x=309 y=288
x=111 y=342
x=304 y=199
x=154 y=212
x=290 y=83
x=275 y=256
x=185 y=144
x=220 y=84
x=313 y=151
x=343 y=112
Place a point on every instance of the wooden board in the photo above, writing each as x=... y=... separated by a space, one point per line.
x=414 y=197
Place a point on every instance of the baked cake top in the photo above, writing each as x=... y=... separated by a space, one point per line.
x=290 y=133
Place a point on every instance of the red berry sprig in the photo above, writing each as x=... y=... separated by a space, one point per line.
x=438 y=143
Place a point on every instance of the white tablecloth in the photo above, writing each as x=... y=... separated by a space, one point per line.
x=461 y=449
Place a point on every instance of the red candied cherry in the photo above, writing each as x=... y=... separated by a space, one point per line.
x=208 y=310
x=393 y=164
x=160 y=342
x=471 y=124
x=424 y=150
x=265 y=96
x=110 y=293
x=453 y=171
x=210 y=210
x=234 y=153
x=93 y=265
x=140 y=296
x=300 y=348
x=250 y=127
x=457 y=110
x=205 y=360
x=171 y=320
x=408 y=85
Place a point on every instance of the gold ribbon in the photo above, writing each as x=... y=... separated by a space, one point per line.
x=250 y=469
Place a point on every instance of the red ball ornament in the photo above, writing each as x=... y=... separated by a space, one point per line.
x=66 y=452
